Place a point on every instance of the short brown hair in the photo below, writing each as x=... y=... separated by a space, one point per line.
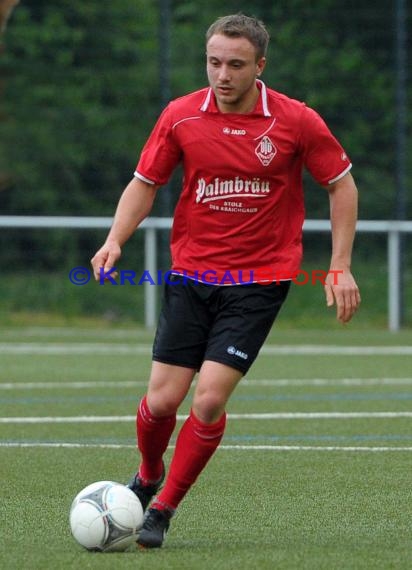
x=241 y=26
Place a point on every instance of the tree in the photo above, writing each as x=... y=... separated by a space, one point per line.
x=81 y=93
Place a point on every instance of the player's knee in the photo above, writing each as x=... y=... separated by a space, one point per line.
x=162 y=402
x=208 y=406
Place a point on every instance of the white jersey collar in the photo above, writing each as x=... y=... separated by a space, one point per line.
x=263 y=102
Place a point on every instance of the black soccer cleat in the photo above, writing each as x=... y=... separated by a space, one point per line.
x=145 y=492
x=155 y=526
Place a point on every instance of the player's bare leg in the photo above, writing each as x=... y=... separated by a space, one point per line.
x=213 y=389
x=168 y=386
x=155 y=422
x=198 y=439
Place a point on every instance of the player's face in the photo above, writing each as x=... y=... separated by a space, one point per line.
x=232 y=69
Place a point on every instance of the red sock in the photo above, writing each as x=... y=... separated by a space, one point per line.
x=195 y=445
x=153 y=435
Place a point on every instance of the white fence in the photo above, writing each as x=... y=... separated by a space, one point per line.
x=151 y=226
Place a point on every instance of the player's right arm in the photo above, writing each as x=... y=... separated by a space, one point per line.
x=134 y=206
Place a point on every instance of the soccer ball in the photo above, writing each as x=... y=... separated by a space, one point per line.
x=106 y=517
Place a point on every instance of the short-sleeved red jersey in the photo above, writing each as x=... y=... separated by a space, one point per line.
x=241 y=208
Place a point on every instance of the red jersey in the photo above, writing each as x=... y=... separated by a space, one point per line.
x=241 y=208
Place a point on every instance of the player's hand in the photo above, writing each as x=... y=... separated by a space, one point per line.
x=341 y=289
x=105 y=259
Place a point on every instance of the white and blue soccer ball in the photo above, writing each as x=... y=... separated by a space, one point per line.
x=106 y=517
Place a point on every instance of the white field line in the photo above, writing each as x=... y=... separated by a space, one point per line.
x=278 y=382
x=71 y=385
x=310 y=448
x=78 y=349
x=181 y=417
x=326 y=349
x=111 y=349
x=67 y=332
x=278 y=448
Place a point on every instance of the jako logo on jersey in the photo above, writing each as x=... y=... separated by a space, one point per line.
x=265 y=151
x=228 y=131
x=217 y=189
x=234 y=351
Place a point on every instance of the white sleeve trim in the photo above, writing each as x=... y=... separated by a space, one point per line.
x=143 y=178
x=341 y=175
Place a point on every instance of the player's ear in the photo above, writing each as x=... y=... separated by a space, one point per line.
x=260 y=66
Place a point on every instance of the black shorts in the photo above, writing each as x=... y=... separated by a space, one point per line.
x=226 y=324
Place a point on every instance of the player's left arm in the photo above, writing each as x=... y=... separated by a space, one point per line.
x=340 y=285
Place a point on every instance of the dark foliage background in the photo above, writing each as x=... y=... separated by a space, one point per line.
x=81 y=91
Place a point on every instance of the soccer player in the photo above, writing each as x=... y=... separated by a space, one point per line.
x=236 y=243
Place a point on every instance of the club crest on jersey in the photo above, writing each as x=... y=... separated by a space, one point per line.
x=266 y=151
